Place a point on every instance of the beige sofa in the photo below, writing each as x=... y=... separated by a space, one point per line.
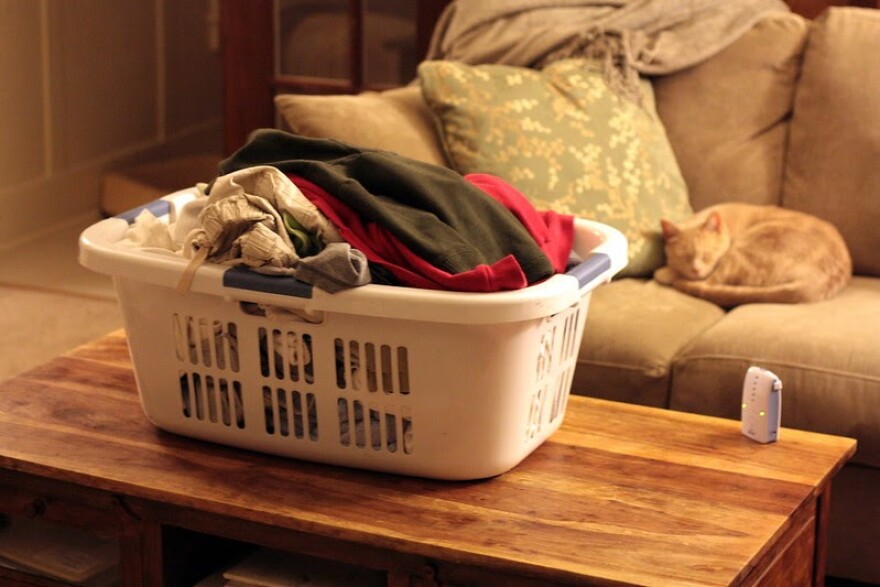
x=790 y=115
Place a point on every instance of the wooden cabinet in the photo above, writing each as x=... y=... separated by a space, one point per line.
x=257 y=61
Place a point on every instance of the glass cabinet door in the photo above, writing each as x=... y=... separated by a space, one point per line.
x=365 y=43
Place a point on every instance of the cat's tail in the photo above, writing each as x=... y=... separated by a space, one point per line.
x=728 y=296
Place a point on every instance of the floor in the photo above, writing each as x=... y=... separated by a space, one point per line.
x=50 y=304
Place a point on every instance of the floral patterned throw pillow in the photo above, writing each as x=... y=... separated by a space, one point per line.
x=567 y=141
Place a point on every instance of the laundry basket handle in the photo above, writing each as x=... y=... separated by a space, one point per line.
x=158 y=208
x=244 y=278
x=603 y=250
x=591 y=268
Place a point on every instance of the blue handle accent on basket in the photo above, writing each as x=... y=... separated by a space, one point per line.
x=158 y=208
x=586 y=271
x=244 y=278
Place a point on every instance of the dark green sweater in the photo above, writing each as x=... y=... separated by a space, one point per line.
x=436 y=212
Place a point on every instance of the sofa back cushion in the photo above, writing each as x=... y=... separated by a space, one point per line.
x=566 y=140
x=394 y=120
x=833 y=168
x=727 y=118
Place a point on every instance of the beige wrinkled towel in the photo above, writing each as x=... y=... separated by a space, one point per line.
x=631 y=37
x=241 y=224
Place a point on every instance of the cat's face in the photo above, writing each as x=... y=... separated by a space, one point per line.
x=693 y=250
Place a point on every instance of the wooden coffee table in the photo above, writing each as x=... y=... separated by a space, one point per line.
x=620 y=495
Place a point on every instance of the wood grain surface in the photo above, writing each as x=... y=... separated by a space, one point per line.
x=621 y=494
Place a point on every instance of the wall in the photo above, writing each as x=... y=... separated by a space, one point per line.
x=92 y=85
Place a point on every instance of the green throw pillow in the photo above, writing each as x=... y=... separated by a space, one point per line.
x=566 y=141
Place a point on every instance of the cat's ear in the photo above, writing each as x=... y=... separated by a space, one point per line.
x=713 y=222
x=670 y=230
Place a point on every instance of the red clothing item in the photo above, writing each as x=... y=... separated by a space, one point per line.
x=382 y=248
x=553 y=232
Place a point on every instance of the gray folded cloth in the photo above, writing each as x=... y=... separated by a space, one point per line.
x=335 y=268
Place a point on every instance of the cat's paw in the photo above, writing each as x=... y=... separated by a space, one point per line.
x=665 y=276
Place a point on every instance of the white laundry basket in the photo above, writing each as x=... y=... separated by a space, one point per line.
x=436 y=384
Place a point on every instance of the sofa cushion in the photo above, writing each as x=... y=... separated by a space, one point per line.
x=394 y=120
x=727 y=118
x=825 y=353
x=565 y=140
x=634 y=330
x=834 y=162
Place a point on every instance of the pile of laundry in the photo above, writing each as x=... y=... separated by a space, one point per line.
x=337 y=216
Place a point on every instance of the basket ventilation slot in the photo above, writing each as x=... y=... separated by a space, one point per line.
x=290 y=413
x=210 y=399
x=364 y=426
x=557 y=356
x=371 y=367
x=286 y=355
x=210 y=343
x=570 y=334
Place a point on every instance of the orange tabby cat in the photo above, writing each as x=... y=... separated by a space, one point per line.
x=735 y=253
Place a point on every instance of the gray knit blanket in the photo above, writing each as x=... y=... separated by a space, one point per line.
x=632 y=37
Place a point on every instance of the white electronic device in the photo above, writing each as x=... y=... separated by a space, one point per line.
x=761 y=405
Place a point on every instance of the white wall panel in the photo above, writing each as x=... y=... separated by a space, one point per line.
x=92 y=85
x=192 y=70
x=103 y=78
x=21 y=106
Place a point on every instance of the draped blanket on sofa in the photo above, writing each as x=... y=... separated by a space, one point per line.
x=631 y=36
